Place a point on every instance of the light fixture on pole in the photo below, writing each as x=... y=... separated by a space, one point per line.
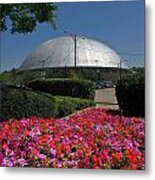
x=120 y=79
x=74 y=36
x=43 y=66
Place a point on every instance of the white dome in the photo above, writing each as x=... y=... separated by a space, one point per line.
x=59 y=52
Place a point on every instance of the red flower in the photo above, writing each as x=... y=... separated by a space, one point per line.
x=67 y=148
x=94 y=158
x=90 y=139
x=4 y=144
x=35 y=152
x=117 y=156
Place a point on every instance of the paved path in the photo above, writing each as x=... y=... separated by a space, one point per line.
x=106 y=97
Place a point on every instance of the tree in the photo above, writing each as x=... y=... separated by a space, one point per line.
x=23 y=18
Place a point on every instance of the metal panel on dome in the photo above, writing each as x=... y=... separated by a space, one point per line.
x=59 y=52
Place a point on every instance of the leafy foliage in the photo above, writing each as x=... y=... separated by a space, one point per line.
x=130 y=93
x=65 y=87
x=21 y=77
x=18 y=103
x=91 y=139
x=68 y=105
x=25 y=17
x=16 y=77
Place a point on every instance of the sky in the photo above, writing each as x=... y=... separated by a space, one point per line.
x=118 y=24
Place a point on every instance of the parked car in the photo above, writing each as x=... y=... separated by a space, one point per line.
x=104 y=84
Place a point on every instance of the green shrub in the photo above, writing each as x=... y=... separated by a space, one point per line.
x=68 y=105
x=65 y=87
x=18 y=103
x=130 y=93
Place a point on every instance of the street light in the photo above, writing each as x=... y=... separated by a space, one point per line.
x=120 y=67
x=74 y=36
x=120 y=79
x=98 y=70
x=43 y=66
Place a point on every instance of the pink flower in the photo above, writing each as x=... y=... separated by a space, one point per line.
x=22 y=162
x=7 y=162
x=90 y=139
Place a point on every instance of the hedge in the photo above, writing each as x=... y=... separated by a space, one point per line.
x=130 y=93
x=65 y=87
x=68 y=105
x=18 y=103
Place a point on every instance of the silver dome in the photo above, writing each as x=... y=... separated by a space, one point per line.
x=59 y=52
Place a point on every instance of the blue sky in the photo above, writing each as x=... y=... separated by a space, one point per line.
x=119 y=24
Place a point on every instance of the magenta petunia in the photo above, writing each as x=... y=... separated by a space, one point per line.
x=93 y=138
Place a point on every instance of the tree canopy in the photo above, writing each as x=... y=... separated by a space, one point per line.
x=23 y=18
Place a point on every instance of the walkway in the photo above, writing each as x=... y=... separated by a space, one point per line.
x=106 y=97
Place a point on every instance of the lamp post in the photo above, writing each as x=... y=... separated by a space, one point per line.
x=75 y=50
x=98 y=70
x=74 y=36
x=98 y=74
x=120 y=79
x=43 y=66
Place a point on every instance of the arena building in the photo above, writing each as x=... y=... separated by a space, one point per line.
x=72 y=51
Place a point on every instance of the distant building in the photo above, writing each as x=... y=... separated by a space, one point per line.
x=60 y=52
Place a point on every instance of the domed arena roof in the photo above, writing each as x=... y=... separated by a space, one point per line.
x=60 y=52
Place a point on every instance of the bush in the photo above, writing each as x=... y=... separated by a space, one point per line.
x=68 y=105
x=130 y=93
x=19 y=77
x=19 y=103
x=65 y=87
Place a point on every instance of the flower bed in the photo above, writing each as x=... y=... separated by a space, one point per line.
x=91 y=139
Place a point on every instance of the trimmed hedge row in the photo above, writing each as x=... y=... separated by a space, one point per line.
x=19 y=103
x=65 y=87
x=130 y=93
x=68 y=105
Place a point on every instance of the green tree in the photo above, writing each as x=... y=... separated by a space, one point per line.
x=23 y=18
